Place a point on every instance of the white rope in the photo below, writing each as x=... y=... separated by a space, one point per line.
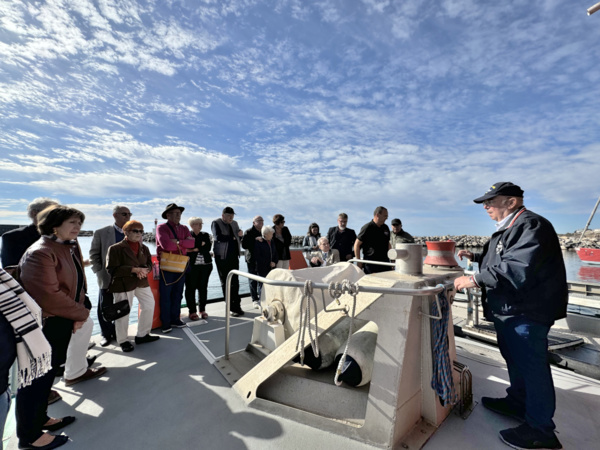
x=305 y=322
x=351 y=289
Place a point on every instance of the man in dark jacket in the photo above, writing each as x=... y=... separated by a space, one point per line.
x=251 y=235
x=15 y=242
x=524 y=290
x=342 y=238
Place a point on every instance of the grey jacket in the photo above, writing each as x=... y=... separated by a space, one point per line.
x=220 y=231
x=103 y=238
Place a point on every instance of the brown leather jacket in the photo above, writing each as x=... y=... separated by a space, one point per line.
x=119 y=262
x=48 y=274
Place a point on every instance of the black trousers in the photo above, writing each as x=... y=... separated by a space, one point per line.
x=107 y=328
x=58 y=332
x=224 y=266
x=197 y=280
x=32 y=408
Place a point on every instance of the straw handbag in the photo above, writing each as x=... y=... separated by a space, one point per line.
x=172 y=262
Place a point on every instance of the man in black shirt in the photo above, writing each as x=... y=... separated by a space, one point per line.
x=342 y=239
x=374 y=238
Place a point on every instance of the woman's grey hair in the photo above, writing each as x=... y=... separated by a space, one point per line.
x=267 y=230
x=193 y=220
x=38 y=205
x=322 y=240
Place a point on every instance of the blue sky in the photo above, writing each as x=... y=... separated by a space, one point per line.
x=301 y=108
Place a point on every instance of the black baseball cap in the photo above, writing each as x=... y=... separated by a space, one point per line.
x=396 y=222
x=501 y=188
x=228 y=210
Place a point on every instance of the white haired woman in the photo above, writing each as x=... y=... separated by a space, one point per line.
x=325 y=256
x=200 y=269
x=264 y=256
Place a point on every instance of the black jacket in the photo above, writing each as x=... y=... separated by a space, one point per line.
x=283 y=248
x=15 y=242
x=522 y=271
x=248 y=241
x=342 y=242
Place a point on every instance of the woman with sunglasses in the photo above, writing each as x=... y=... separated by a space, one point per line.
x=282 y=240
x=129 y=263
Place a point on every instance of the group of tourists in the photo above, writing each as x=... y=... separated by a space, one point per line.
x=45 y=322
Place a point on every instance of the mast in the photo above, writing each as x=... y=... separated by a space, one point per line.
x=591 y=217
x=592 y=9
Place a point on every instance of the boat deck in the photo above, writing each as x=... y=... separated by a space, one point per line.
x=168 y=394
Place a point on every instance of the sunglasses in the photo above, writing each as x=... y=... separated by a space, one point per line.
x=138 y=231
x=126 y=214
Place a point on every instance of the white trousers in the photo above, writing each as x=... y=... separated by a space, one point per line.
x=76 y=363
x=146 y=302
x=283 y=264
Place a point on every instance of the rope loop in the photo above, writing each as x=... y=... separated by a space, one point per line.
x=305 y=318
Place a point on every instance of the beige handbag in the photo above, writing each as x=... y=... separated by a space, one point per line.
x=172 y=262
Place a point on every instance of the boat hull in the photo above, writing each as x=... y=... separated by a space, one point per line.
x=589 y=255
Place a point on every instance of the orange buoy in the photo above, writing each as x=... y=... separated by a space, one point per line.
x=441 y=253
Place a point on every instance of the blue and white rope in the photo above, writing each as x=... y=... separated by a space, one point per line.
x=442 y=381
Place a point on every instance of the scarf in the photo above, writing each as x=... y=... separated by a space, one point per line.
x=34 y=353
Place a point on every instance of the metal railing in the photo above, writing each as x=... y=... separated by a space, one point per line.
x=323 y=286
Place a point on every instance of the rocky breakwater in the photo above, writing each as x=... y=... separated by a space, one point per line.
x=569 y=241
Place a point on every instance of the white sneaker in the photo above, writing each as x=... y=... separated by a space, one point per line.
x=256 y=305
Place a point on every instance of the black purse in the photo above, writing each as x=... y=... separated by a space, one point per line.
x=116 y=310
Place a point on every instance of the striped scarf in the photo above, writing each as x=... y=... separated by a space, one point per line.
x=34 y=354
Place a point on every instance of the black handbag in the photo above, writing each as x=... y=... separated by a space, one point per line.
x=116 y=310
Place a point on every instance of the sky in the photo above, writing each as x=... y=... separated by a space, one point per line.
x=302 y=108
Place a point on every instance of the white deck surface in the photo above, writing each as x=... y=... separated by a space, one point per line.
x=167 y=395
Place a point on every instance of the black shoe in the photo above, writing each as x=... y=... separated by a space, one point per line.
x=525 y=437
x=91 y=345
x=67 y=420
x=104 y=342
x=127 y=347
x=145 y=339
x=57 y=442
x=237 y=313
x=504 y=407
x=178 y=324
x=166 y=329
x=60 y=371
x=91 y=360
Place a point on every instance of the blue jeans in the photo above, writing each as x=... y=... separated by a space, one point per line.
x=171 y=294
x=524 y=345
x=4 y=409
x=255 y=286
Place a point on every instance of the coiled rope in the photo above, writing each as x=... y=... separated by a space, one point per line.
x=442 y=381
x=352 y=289
x=305 y=318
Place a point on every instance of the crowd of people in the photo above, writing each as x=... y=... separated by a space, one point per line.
x=45 y=322
x=43 y=273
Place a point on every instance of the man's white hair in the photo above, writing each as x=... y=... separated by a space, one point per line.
x=38 y=205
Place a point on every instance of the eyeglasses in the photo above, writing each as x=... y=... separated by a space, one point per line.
x=138 y=231
x=490 y=202
x=126 y=214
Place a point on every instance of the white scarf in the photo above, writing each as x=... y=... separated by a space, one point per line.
x=34 y=354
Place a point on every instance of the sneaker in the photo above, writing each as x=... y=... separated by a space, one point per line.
x=237 y=313
x=104 y=342
x=178 y=324
x=256 y=305
x=524 y=437
x=127 y=347
x=166 y=329
x=504 y=407
x=88 y=375
x=145 y=339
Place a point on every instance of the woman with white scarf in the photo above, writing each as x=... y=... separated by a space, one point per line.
x=21 y=338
